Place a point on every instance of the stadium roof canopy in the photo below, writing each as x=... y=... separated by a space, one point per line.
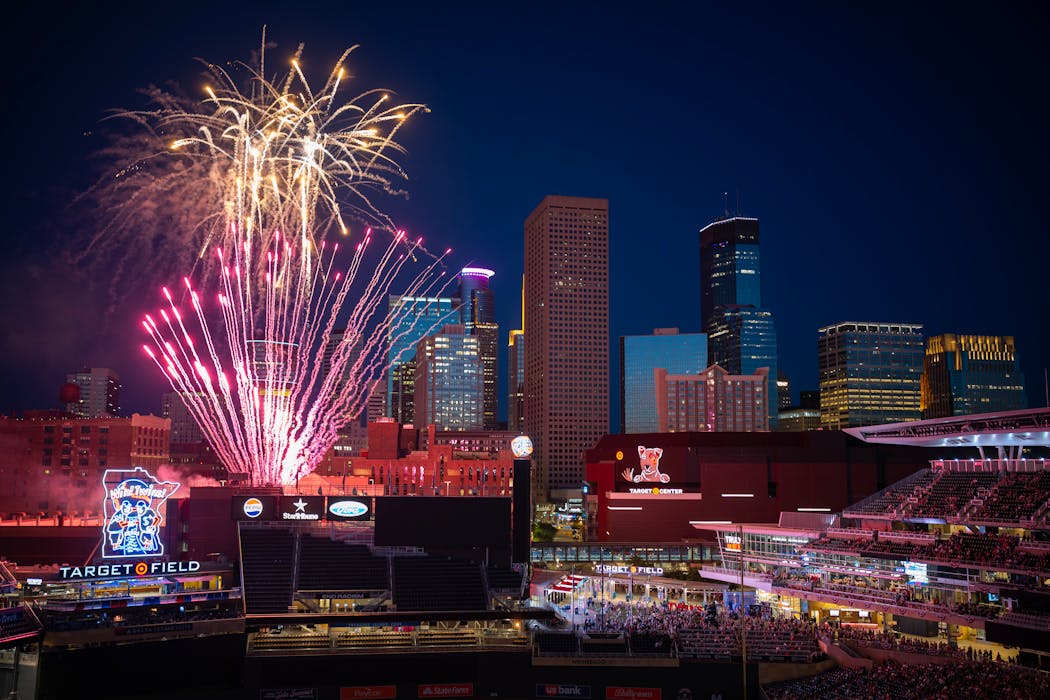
x=1025 y=428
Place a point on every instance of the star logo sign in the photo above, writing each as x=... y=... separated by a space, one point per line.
x=300 y=505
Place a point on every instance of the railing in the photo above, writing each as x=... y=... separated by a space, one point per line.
x=340 y=640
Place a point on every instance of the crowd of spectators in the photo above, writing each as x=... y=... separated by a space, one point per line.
x=960 y=548
x=1017 y=495
x=892 y=681
x=706 y=633
x=891 y=642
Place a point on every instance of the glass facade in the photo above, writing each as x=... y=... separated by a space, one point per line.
x=477 y=313
x=742 y=340
x=516 y=381
x=741 y=334
x=449 y=385
x=967 y=374
x=408 y=320
x=730 y=269
x=870 y=373
x=678 y=353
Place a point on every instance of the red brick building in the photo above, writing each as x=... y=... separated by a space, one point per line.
x=54 y=462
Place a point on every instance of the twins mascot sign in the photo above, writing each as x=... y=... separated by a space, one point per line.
x=133 y=512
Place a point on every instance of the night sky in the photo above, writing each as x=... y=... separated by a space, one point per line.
x=895 y=156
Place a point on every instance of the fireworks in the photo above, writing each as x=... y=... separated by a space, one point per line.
x=271 y=155
x=281 y=159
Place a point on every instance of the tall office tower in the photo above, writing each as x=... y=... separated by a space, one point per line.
x=964 y=374
x=783 y=391
x=477 y=314
x=741 y=333
x=516 y=381
x=567 y=354
x=450 y=382
x=409 y=319
x=335 y=340
x=376 y=406
x=870 y=373
x=99 y=393
x=184 y=428
x=678 y=353
x=516 y=372
x=713 y=401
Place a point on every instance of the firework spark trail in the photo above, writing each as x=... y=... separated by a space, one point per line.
x=280 y=413
x=249 y=368
x=195 y=175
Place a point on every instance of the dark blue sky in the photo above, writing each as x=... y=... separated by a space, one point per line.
x=896 y=156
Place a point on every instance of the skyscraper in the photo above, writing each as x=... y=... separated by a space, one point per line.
x=477 y=314
x=965 y=374
x=567 y=353
x=741 y=333
x=449 y=382
x=677 y=353
x=870 y=373
x=99 y=392
x=184 y=428
x=516 y=381
x=408 y=320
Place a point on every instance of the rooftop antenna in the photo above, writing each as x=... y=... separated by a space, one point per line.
x=725 y=203
x=738 y=201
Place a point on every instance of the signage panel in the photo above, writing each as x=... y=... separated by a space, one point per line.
x=649 y=469
x=368 y=692
x=562 y=690
x=288 y=694
x=445 y=690
x=345 y=508
x=300 y=508
x=257 y=508
x=623 y=693
x=133 y=513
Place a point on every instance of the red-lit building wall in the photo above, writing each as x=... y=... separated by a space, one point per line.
x=392 y=467
x=743 y=477
x=54 y=462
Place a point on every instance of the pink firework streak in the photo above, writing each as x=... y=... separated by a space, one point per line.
x=254 y=382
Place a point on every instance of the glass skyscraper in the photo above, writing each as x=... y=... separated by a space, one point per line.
x=966 y=374
x=741 y=333
x=409 y=319
x=477 y=314
x=449 y=384
x=677 y=353
x=870 y=373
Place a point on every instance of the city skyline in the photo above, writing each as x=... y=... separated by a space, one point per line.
x=937 y=167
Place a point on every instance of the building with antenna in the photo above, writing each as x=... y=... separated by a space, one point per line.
x=741 y=332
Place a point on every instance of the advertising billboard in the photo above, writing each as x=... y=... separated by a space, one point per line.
x=657 y=469
x=133 y=513
x=345 y=508
x=300 y=508
x=257 y=508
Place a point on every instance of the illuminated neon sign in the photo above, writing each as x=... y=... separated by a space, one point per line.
x=649 y=467
x=133 y=513
x=127 y=569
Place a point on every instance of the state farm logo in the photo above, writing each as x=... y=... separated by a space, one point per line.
x=348 y=509
x=253 y=507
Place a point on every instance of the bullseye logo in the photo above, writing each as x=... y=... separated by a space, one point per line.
x=141 y=568
x=253 y=507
